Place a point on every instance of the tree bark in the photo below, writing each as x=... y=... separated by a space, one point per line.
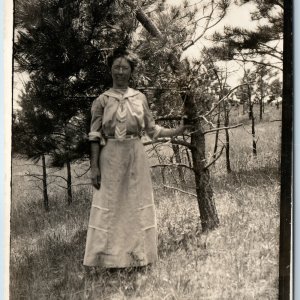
x=69 y=183
x=227 y=148
x=254 y=149
x=208 y=213
x=261 y=108
x=217 y=133
x=178 y=161
x=244 y=107
x=252 y=118
x=188 y=158
x=147 y=23
x=45 y=190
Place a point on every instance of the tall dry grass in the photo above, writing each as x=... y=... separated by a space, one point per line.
x=239 y=260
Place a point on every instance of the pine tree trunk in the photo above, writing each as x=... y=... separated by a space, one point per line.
x=227 y=148
x=217 y=134
x=163 y=177
x=45 y=189
x=208 y=213
x=244 y=107
x=178 y=161
x=69 y=183
x=254 y=150
x=260 y=108
x=188 y=158
x=147 y=23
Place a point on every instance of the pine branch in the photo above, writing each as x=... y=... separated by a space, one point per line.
x=217 y=157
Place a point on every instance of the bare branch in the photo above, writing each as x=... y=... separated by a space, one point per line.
x=180 y=190
x=59 y=177
x=217 y=157
x=168 y=140
x=77 y=184
x=222 y=128
x=224 y=98
x=63 y=187
x=207 y=121
x=34 y=176
x=206 y=27
x=259 y=63
x=173 y=165
x=78 y=176
x=25 y=165
x=271 y=48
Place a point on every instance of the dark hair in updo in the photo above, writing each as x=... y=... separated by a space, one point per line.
x=122 y=52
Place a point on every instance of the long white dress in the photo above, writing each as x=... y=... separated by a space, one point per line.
x=122 y=229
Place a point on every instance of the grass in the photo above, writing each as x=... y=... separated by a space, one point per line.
x=239 y=260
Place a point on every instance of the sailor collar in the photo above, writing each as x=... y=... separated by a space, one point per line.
x=129 y=93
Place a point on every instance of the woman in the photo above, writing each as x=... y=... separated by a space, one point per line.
x=122 y=229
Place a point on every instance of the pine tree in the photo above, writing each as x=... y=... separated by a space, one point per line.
x=181 y=84
x=63 y=45
x=265 y=41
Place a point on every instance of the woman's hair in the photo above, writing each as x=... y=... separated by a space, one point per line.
x=121 y=52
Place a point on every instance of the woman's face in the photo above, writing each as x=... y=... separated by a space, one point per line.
x=121 y=72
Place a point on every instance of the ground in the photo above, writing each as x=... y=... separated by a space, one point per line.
x=239 y=260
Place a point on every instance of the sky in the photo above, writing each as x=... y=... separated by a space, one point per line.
x=236 y=16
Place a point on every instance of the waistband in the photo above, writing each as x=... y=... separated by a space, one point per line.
x=127 y=137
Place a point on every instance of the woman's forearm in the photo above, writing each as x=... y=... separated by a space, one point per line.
x=95 y=153
x=170 y=132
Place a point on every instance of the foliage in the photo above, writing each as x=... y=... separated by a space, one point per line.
x=62 y=45
x=32 y=127
x=251 y=45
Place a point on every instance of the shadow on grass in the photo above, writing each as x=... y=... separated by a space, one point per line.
x=255 y=178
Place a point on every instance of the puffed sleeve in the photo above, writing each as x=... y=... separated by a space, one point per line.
x=151 y=128
x=95 y=133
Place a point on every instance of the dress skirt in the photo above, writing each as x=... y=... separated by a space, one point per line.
x=122 y=229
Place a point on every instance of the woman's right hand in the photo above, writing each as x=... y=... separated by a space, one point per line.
x=96 y=177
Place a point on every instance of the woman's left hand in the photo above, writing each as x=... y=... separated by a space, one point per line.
x=183 y=127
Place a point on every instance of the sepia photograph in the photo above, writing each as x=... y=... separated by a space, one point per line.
x=151 y=150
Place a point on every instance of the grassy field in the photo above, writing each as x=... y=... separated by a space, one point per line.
x=239 y=260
